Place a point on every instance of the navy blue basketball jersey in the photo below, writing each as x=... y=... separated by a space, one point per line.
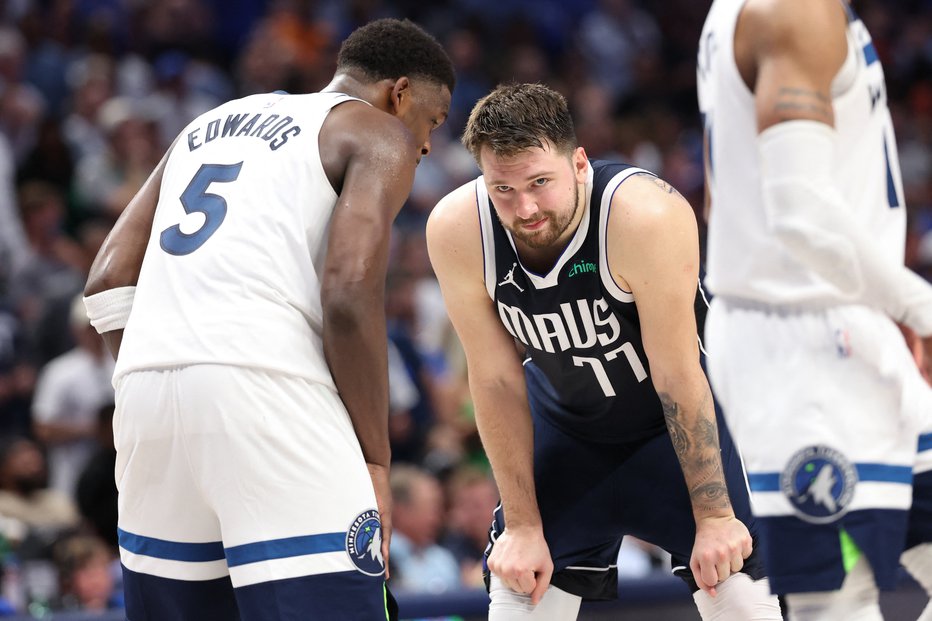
x=586 y=368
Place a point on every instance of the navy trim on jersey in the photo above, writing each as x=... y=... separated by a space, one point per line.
x=170 y=550
x=285 y=548
x=925 y=442
x=892 y=198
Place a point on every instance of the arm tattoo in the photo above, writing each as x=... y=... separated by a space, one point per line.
x=699 y=453
x=660 y=183
x=791 y=102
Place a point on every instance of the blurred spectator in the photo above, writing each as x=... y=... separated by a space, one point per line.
x=21 y=103
x=105 y=182
x=51 y=160
x=70 y=392
x=402 y=321
x=91 y=81
x=14 y=248
x=85 y=577
x=24 y=493
x=418 y=561
x=17 y=376
x=473 y=497
x=48 y=280
x=617 y=38
x=402 y=396
x=97 y=492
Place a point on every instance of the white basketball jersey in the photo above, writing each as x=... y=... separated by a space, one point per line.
x=744 y=259
x=231 y=273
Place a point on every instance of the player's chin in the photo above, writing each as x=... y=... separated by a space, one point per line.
x=537 y=239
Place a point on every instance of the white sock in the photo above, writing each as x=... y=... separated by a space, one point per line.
x=918 y=562
x=739 y=598
x=555 y=605
x=857 y=600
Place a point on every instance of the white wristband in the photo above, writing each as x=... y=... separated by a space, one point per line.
x=109 y=310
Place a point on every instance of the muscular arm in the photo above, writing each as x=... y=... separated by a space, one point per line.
x=379 y=171
x=790 y=63
x=659 y=261
x=496 y=381
x=119 y=259
x=657 y=258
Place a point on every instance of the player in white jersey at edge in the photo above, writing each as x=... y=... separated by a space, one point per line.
x=805 y=257
x=242 y=293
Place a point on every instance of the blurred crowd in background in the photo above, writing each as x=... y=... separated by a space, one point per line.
x=93 y=92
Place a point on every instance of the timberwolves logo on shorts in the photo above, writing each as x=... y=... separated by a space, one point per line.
x=819 y=482
x=364 y=543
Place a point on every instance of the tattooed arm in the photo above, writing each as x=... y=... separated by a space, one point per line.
x=789 y=63
x=653 y=251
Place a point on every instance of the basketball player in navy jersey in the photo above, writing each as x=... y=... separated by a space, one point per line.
x=608 y=429
x=251 y=382
x=807 y=233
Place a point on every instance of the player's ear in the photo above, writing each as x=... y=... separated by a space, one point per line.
x=400 y=95
x=580 y=164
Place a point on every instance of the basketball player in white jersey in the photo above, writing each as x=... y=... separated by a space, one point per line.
x=242 y=292
x=805 y=258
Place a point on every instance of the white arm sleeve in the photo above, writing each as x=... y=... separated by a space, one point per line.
x=808 y=214
x=109 y=310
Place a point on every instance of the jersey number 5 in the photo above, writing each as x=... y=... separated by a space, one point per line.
x=196 y=199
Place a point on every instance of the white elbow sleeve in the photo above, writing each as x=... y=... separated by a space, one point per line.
x=109 y=310
x=807 y=213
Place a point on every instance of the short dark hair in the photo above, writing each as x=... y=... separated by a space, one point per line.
x=391 y=48
x=517 y=117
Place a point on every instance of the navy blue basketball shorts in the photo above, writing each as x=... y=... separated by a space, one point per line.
x=919 y=529
x=591 y=495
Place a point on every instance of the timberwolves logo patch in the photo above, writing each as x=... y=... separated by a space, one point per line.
x=364 y=543
x=819 y=482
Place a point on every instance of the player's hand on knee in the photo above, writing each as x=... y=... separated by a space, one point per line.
x=722 y=544
x=521 y=560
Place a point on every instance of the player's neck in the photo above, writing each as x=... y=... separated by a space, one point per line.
x=347 y=83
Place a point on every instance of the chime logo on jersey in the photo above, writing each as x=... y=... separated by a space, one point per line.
x=819 y=482
x=364 y=543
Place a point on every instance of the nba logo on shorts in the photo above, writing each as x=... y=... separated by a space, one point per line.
x=819 y=483
x=364 y=543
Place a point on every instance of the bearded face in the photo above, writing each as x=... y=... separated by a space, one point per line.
x=24 y=471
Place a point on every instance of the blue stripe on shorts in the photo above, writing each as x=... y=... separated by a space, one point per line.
x=285 y=548
x=170 y=550
x=880 y=473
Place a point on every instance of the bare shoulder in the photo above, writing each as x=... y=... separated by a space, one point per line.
x=453 y=232
x=808 y=25
x=645 y=205
x=455 y=214
x=658 y=237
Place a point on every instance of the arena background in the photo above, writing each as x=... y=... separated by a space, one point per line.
x=92 y=92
